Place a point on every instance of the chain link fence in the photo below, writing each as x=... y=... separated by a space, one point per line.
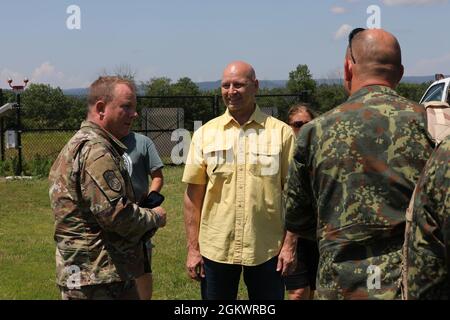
x=43 y=135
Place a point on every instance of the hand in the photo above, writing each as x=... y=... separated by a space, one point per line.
x=287 y=259
x=162 y=215
x=194 y=265
x=154 y=199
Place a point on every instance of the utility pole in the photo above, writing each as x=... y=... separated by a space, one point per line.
x=18 y=90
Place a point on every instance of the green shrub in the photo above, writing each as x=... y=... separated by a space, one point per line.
x=6 y=167
x=40 y=166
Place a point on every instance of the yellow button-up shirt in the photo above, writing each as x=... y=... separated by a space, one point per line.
x=245 y=169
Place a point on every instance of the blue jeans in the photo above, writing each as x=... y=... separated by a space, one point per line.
x=221 y=281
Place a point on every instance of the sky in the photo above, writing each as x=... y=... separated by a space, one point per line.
x=41 y=40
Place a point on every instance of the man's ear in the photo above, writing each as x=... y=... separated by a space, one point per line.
x=256 y=84
x=99 y=109
x=401 y=71
x=348 y=70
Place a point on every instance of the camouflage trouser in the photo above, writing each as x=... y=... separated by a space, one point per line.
x=125 y=290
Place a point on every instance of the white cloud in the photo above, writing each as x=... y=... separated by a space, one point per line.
x=338 y=10
x=45 y=73
x=342 y=32
x=413 y=2
x=430 y=66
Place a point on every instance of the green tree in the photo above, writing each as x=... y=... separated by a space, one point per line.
x=44 y=107
x=413 y=91
x=185 y=87
x=158 y=87
x=9 y=120
x=195 y=109
x=77 y=111
x=329 y=96
x=300 y=80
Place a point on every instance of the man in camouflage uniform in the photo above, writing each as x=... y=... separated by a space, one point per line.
x=354 y=171
x=99 y=231
x=428 y=240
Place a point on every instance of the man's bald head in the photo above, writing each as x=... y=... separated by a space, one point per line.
x=377 y=55
x=239 y=87
x=242 y=68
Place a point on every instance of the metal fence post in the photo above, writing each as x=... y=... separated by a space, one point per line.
x=2 y=129
x=216 y=105
x=19 y=135
x=2 y=139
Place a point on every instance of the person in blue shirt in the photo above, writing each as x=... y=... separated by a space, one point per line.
x=143 y=164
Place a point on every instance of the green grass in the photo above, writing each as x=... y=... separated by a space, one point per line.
x=27 y=249
x=42 y=143
x=26 y=244
x=46 y=145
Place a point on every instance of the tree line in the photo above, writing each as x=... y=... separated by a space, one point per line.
x=48 y=107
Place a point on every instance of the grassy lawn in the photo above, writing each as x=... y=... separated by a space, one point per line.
x=27 y=249
x=42 y=143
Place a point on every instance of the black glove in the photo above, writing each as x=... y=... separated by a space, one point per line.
x=153 y=200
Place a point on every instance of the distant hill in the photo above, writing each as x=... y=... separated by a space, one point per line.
x=418 y=79
x=84 y=92
x=76 y=92
x=265 y=84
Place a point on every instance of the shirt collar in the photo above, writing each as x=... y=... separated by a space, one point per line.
x=257 y=116
x=370 y=89
x=103 y=133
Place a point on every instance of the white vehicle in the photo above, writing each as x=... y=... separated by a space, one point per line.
x=438 y=91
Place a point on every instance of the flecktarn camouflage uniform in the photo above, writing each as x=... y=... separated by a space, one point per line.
x=428 y=240
x=98 y=228
x=349 y=185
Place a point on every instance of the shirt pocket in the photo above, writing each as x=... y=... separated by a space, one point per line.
x=219 y=161
x=264 y=160
x=220 y=171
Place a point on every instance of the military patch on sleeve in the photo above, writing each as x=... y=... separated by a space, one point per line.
x=112 y=180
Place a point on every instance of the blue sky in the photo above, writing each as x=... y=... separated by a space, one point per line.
x=197 y=38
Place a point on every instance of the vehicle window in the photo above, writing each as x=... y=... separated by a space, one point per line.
x=448 y=96
x=434 y=93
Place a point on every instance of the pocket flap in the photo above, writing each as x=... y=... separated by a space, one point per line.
x=265 y=150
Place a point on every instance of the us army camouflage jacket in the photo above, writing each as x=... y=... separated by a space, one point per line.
x=98 y=229
x=428 y=241
x=349 y=185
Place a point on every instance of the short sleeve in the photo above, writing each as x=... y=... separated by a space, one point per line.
x=195 y=168
x=154 y=160
x=287 y=154
x=300 y=213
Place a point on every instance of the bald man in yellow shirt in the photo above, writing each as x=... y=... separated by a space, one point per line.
x=235 y=173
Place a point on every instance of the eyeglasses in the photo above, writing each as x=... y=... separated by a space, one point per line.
x=350 y=38
x=297 y=124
